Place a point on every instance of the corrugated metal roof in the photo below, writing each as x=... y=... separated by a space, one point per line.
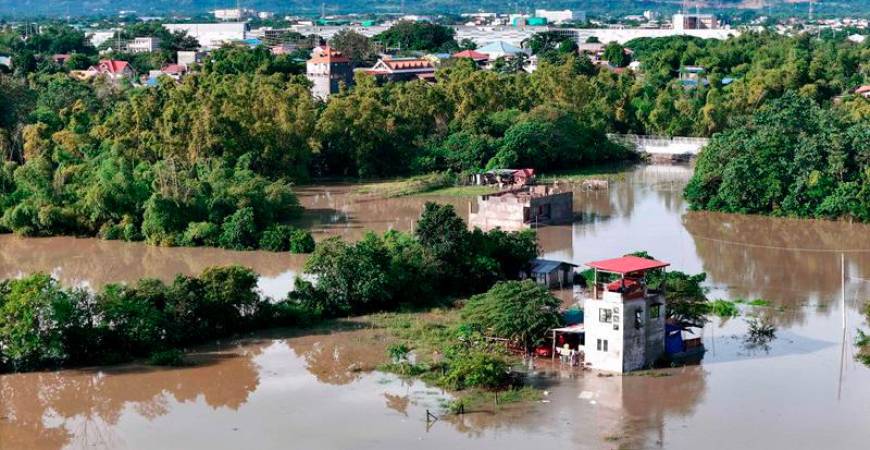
x=547 y=265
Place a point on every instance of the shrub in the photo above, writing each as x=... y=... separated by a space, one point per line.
x=239 y=232
x=201 y=233
x=301 y=241
x=476 y=368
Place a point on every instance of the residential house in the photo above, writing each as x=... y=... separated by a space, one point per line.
x=479 y=58
x=863 y=91
x=173 y=71
x=403 y=69
x=501 y=49
x=112 y=69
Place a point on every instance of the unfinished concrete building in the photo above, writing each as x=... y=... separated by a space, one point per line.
x=520 y=208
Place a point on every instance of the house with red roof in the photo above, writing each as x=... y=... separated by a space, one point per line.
x=863 y=91
x=112 y=69
x=403 y=69
x=479 y=58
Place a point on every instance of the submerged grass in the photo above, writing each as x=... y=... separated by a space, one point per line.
x=610 y=172
x=479 y=400
x=410 y=186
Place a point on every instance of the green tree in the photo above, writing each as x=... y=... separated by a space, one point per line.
x=522 y=311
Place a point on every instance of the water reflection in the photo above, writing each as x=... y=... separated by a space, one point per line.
x=94 y=262
x=49 y=410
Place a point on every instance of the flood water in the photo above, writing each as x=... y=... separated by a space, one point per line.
x=803 y=390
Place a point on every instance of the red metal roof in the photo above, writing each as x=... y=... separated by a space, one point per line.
x=627 y=264
x=477 y=56
x=112 y=66
x=327 y=55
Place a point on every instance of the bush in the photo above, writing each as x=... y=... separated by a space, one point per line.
x=475 y=368
x=282 y=238
x=200 y=233
x=239 y=231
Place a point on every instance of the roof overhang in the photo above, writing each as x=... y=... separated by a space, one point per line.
x=627 y=264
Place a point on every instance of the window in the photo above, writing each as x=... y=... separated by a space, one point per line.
x=655 y=311
x=638 y=317
x=602 y=345
x=605 y=315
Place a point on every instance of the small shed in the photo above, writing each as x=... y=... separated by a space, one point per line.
x=553 y=274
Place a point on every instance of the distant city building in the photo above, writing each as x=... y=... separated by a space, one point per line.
x=232 y=14
x=565 y=15
x=6 y=61
x=98 y=38
x=265 y=15
x=856 y=38
x=188 y=58
x=695 y=22
x=211 y=35
x=651 y=15
x=327 y=70
x=143 y=45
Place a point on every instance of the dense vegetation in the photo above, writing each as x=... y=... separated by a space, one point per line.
x=791 y=158
x=45 y=325
x=441 y=260
x=211 y=160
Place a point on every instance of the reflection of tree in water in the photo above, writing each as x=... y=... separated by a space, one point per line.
x=750 y=254
x=98 y=262
x=341 y=357
x=398 y=403
x=341 y=210
x=87 y=404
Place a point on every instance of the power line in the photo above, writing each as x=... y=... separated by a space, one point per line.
x=776 y=247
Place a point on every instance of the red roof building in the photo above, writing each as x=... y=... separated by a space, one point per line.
x=402 y=69
x=474 y=55
x=627 y=264
x=863 y=91
x=112 y=69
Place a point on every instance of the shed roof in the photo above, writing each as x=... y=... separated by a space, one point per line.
x=627 y=264
x=547 y=265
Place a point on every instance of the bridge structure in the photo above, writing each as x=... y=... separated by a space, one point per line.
x=674 y=148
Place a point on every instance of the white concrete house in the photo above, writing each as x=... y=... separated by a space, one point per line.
x=624 y=321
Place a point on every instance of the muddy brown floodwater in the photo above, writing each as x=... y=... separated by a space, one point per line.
x=318 y=391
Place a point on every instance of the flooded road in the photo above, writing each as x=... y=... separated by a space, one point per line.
x=803 y=390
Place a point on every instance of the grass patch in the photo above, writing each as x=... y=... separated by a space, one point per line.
x=461 y=191
x=758 y=302
x=476 y=399
x=409 y=186
x=610 y=172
